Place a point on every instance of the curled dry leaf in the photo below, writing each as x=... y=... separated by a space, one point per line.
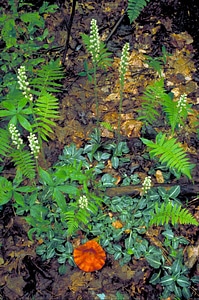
x=117 y=224
x=159 y=177
x=192 y=256
x=131 y=128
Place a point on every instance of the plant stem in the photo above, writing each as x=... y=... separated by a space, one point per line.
x=95 y=93
x=120 y=113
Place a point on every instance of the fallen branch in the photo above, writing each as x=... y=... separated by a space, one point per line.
x=185 y=189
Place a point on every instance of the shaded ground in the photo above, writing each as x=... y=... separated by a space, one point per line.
x=23 y=275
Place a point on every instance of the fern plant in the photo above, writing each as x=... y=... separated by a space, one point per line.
x=170 y=152
x=5 y=147
x=79 y=213
x=154 y=96
x=134 y=8
x=176 y=111
x=34 y=109
x=47 y=78
x=24 y=162
x=174 y=213
x=46 y=109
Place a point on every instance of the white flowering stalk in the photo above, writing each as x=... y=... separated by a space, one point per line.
x=15 y=136
x=124 y=63
x=34 y=144
x=94 y=41
x=122 y=72
x=99 y=55
x=83 y=202
x=182 y=102
x=23 y=83
x=94 y=49
x=146 y=185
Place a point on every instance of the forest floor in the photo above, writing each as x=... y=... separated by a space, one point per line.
x=173 y=24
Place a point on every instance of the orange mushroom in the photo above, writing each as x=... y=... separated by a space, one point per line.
x=89 y=257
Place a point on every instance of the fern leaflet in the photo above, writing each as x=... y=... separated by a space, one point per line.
x=175 y=214
x=169 y=152
x=46 y=109
x=47 y=78
x=4 y=143
x=134 y=8
x=172 y=112
x=24 y=162
x=153 y=96
x=75 y=218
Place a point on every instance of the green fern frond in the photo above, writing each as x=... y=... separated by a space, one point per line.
x=46 y=109
x=175 y=214
x=75 y=218
x=47 y=78
x=24 y=162
x=134 y=8
x=4 y=143
x=152 y=98
x=104 y=58
x=72 y=223
x=169 y=152
x=172 y=112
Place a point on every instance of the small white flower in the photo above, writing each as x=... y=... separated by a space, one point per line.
x=124 y=62
x=83 y=202
x=23 y=83
x=34 y=144
x=15 y=136
x=182 y=102
x=94 y=41
x=146 y=185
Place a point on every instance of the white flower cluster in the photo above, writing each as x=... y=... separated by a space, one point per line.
x=23 y=83
x=34 y=144
x=124 y=62
x=146 y=184
x=15 y=136
x=182 y=102
x=83 y=202
x=94 y=41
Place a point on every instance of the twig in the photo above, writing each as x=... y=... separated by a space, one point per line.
x=69 y=31
x=116 y=26
x=185 y=189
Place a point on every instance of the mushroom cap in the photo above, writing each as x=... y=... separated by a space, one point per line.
x=89 y=257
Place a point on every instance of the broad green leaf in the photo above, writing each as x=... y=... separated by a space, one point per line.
x=60 y=199
x=24 y=123
x=68 y=189
x=50 y=253
x=174 y=192
x=183 y=281
x=19 y=199
x=46 y=177
x=115 y=162
x=155 y=278
x=176 y=267
x=186 y=293
x=68 y=247
x=167 y=280
x=6 y=113
x=5 y=191
x=26 y=189
x=153 y=260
